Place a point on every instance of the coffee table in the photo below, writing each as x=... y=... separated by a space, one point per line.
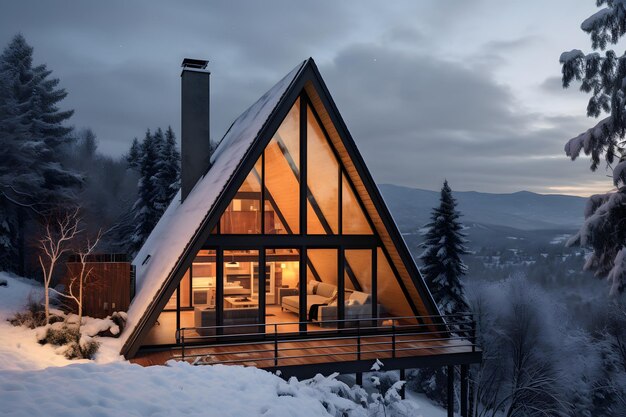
x=234 y=302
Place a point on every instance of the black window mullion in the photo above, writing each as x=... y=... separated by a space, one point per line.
x=303 y=165
x=340 y=200
x=262 y=288
x=302 y=290
x=177 y=311
x=263 y=193
x=219 y=289
x=374 y=285
x=341 y=286
x=191 y=285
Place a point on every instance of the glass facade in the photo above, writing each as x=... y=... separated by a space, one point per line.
x=322 y=287
x=353 y=219
x=243 y=214
x=358 y=284
x=322 y=182
x=390 y=295
x=308 y=286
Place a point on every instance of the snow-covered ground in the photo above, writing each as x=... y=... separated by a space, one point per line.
x=19 y=349
x=37 y=381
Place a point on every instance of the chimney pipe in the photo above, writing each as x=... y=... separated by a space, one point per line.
x=195 y=140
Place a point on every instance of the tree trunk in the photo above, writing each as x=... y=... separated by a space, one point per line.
x=46 y=296
x=21 y=246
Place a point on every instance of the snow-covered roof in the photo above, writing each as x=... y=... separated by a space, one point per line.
x=179 y=224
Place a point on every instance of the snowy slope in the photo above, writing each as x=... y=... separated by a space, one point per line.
x=19 y=349
x=178 y=390
x=36 y=381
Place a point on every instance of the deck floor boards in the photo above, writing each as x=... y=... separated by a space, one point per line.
x=326 y=351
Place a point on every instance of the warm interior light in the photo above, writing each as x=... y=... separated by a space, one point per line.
x=232 y=263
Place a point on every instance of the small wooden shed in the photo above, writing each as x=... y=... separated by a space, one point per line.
x=109 y=287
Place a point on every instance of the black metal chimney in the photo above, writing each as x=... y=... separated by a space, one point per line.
x=195 y=142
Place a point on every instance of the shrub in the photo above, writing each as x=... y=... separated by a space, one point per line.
x=76 y=346
x=34 y=315
x=85 y=348
x=119 y=318
x=60 y=336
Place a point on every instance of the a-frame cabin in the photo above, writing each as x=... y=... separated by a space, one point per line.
x=279 y=251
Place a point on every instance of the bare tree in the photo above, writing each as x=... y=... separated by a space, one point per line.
x=79 y=282
x=59 y=232
x=517 y=376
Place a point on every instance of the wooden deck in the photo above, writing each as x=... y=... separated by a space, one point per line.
x=411 y=348
x=351 y=347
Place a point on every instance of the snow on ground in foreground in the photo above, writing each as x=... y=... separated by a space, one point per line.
x=19 y=349
x=180 y=389
x=122 y=389
x=36 y=381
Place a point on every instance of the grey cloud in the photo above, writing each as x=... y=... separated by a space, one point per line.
x=554 y=85
x=506 y=45
x=418 y=119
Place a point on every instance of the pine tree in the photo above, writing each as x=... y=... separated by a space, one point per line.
x=170 y=173
x=146 y=210
x=134 y=154
x=33 y=139
x=157 y=160
x=602 y=75
x=444 y=245
x=161 y=200
x=442 y=270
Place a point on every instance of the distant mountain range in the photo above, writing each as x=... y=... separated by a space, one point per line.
x=524 y=211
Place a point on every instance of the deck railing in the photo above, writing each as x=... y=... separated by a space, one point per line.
x=384 y=337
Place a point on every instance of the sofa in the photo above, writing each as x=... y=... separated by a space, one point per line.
x=358 y=305
x=205 y=316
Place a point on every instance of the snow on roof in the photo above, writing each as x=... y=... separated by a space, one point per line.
x=179 y=224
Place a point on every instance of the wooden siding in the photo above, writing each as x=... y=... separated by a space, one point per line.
x=107 y=289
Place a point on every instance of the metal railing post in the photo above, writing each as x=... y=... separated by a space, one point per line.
x=275 y=344
x=393 y=338
x=182 y=343
x=358 y=340
x=473 y=334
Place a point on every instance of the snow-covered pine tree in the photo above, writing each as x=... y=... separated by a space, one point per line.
x=157 y=160
x=168 y=168
x=134 y=154
x=33 y=138
x=442 y=265
x=146 y=210
x=442 y=270
x=170 y=175
x=602 y=76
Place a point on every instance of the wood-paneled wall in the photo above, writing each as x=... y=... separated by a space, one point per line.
x=107 y=288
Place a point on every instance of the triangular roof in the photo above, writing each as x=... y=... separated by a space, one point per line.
x=184 y=227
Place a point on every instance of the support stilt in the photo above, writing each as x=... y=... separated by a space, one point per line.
x=464 y=390
x=450 y=390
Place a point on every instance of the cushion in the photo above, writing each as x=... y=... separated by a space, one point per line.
x=332 y=300
x=325 y=290
x=311 y=287
x=359 y=298
x=292 y=301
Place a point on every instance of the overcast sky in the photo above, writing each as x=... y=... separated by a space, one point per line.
x=467 y=90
